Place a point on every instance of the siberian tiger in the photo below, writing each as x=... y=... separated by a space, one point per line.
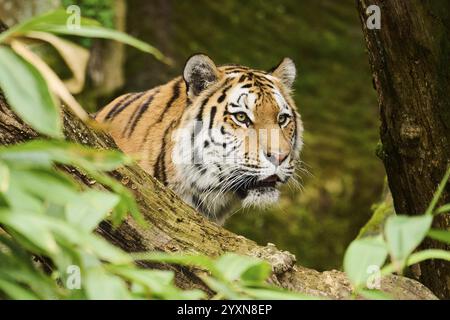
x=215 y=134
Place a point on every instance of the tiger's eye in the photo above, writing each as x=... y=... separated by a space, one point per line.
x=282 y=119
x=241 y=117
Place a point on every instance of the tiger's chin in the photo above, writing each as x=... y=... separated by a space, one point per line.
x=261 y=197
x=260 y=193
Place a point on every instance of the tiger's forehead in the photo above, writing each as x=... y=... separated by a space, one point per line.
x=257 y=78
x=254 y=91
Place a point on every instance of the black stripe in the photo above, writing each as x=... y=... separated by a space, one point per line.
x=235 y=147
x=295 y=128
x=224 y=94
x=240 y=97
x=236 y=69
x=118 y=108
x=199 y=116
x=202 y=107
x=211 y=117
x=136 y=117
x=159 y=171
x=175 y=95
x=118 y=104
x=234 y=105
x=188 y=102
x=211 y=122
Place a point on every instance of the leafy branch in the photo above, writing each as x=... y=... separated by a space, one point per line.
x=402 y=234
x=31 y=87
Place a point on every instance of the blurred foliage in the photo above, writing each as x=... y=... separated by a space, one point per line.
x=334 y=95
x=397 y=237
x=99 y=10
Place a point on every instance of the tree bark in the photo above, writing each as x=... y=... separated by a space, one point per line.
x=173 y=226
x=409 y=56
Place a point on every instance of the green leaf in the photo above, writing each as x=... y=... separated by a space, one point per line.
x=32 y=227
x=443 y=209
x=16 y=267
x=427 y=255
x=257 y=273
x=100 y=285
x=438 y=192
x=18 y=155
x=361 y=255
x=42 y=230
x=19 y=199
x=4 y=177
x=87 y=210
x=88 y=242
x=440 y=235
x=185 y=260
x=157 y=280
x=159 y=283
x=405 y=233
x=233 y=267
x=104 y=33
x=57 y=17
x=44 y=184
x=28 y=93
x=222 y=288
x=127 y=203
x=419 y=257
x=45 y=152
x=56 y=22
x=15 y=291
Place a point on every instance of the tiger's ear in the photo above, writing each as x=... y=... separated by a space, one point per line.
x=199 y=73
x=285 y=71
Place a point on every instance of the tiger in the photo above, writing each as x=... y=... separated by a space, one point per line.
x=200 y=134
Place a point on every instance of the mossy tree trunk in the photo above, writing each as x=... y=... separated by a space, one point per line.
x=410 y=59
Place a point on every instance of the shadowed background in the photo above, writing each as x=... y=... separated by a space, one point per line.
x=333 y=92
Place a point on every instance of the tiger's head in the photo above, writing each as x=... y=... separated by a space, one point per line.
x=240 y=135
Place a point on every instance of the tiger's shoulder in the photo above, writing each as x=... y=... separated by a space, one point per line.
x=129 y=116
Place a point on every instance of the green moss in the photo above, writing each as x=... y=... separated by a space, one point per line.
x=381 y=212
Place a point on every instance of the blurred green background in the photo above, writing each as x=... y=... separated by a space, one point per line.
x=334 y=95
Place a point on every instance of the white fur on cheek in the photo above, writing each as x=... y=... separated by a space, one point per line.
x=256 y=198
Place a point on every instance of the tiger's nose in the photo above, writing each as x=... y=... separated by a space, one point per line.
x=276 y=158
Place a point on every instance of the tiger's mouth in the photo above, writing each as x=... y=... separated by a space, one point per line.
x=267 y=184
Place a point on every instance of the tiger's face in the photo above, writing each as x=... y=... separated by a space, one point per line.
x=241 y=135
